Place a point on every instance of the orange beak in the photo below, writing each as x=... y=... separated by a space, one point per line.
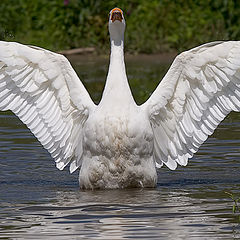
x=116 y=14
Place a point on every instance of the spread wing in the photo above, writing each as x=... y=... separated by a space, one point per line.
x=43 y=90
x=201 y=87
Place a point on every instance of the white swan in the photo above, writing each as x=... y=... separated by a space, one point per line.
x=118 y=144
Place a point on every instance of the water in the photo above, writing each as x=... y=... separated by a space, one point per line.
x=38 y=201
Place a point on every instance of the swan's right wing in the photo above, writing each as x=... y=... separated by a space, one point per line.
x=201 y=87
x=43 y=90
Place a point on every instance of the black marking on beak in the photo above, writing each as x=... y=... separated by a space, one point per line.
x=116 y=15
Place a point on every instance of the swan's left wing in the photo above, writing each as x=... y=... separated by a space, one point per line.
x=44 y=91
x=201 y=87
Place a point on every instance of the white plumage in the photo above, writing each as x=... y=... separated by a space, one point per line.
x=118 y=144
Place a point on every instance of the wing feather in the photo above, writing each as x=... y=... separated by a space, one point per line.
x=201 y=87
x=43 y=90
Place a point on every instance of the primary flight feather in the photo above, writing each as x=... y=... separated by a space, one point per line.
x=118 y=144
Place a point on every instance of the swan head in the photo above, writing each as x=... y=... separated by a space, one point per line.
x=116 y=25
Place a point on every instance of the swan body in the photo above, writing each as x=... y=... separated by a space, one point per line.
x=117 y=152
x=118 y=144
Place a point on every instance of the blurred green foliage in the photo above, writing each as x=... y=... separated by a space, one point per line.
x=152 y=26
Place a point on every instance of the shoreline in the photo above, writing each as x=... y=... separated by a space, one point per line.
x=90 y=52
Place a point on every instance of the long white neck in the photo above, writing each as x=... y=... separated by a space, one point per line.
x=117 y=90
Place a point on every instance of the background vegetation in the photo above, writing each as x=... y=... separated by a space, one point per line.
x=152 y=26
